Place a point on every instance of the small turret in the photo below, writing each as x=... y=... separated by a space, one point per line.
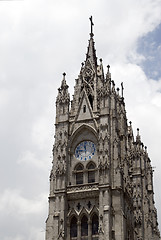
x=63 y=95
x=138 y=138
x=62 y=101
x=100 y=72
x=108 y=75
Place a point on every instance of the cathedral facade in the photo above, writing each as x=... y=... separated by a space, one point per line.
x=101 y=182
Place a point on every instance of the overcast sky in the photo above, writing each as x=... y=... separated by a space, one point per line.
x=41 y=39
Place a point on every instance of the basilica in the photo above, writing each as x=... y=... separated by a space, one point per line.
x=101 y=181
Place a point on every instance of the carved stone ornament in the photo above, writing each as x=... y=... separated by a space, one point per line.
x=118 y=186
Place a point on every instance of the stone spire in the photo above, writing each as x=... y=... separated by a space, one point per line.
x=63 y=83
x=138 y=138
x=91 y=52
x=108 y=75
x=63 y=95
x=62 y=102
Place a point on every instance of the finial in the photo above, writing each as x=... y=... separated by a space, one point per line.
x=137 y=131
x=82 y=64
x=63 y=83
x=92 y=24
x=108 y=75
x=118 y=89
x=100 y=60
x=138 y=139
x=64 y=74
x=108 y=66
x=122 y=89
x=130 y=123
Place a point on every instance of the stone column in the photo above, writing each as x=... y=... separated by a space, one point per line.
x=68 y=230
x=85 y=176
x=106 y=215
x=79 y=230
x=95 y=94
x=106 y=222
x=89 y=229
x=101 y=231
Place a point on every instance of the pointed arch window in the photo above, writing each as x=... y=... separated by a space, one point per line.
x=91 y=173
x=79 y=174
x=73 y=228
x=95 y=225
x=84 y=227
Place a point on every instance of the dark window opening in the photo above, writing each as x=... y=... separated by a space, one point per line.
x=79 y=178
x=87 y=78
x=84 y=226
x=79 y=167
x=73 y=227
x=91 y=166
x=91 y=177
x=95 y=225
x=84 y=108
x=79 y=174
x=91 y=173
x=91 y=100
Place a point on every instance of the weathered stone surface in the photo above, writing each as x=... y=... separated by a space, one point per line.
x=110 y=191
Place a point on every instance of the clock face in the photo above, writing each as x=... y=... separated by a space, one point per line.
x=85 y=150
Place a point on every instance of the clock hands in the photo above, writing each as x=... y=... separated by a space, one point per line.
x=85 y=148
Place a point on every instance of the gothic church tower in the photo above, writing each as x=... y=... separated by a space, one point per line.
x=101 y=180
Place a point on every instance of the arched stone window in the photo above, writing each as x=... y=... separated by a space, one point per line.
x=73 y=228
x=91 y=173
x=79 y=174
x=84 y=226
x=95 y=224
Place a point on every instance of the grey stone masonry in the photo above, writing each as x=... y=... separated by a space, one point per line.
x=101 y=181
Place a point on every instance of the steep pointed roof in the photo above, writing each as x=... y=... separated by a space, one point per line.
x=91 y=52
x=63 y=95
x=64 y=85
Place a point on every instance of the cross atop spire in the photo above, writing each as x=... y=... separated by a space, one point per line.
x=91 y=52
x=92 y=24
